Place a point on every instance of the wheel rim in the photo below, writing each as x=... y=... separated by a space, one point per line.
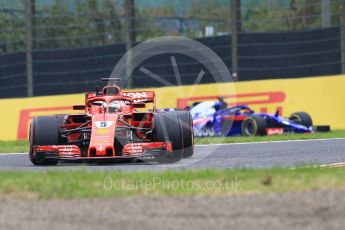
x=296 y=119
x=249 y=128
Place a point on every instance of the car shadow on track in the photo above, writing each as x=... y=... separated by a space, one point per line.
x=119 y=162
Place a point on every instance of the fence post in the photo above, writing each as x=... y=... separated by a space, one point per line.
x=29 y=15
x=235 y=26
x=342 y=37
x=325 y=13
x=130 y=37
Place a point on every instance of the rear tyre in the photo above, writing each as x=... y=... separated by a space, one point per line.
x=167 y=127
x=254 y=126
x=187 y=133
x=43 y=131
x=302 y=118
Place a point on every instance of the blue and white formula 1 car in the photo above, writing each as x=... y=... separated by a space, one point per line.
x=210 y=120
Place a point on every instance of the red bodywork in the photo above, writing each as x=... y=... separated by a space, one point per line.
x=94 y=134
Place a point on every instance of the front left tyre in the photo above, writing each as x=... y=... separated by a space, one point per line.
x=44 y=131
x=176 y=127
x=187 y=133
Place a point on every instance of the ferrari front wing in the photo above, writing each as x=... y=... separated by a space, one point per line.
x=73 y=152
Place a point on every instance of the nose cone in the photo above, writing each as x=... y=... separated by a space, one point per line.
x=103 y=135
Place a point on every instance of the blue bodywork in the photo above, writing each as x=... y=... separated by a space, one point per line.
x=209 y=121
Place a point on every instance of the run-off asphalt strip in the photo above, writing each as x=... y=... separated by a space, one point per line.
x=249 y=155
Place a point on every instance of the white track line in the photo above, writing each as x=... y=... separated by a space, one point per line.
x=7 y=154
x=333 y=165
x=271 y=142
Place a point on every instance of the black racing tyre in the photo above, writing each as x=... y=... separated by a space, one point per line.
x=254 y=126
x=167 y=127
x=43 y=131
x=187 y=133
x=61 y=119
x=302 y=118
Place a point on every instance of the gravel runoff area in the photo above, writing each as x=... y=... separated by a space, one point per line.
x=309 y=210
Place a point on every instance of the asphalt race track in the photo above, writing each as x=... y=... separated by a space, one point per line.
x=249 y=155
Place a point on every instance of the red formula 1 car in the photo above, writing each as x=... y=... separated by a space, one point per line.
x=112 y=127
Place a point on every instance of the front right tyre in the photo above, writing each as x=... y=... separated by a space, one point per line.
x=43 y=131
x=254 y=126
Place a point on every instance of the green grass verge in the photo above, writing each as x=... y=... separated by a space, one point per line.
x=284 y=137
x=22 y=146
x=210 y=182
x=14 y=146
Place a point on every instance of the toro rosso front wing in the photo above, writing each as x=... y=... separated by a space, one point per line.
x=73 y=152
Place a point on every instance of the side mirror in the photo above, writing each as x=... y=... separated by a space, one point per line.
x=79 y=107
x=139 y=105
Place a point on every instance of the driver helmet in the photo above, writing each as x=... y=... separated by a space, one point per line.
x=217 y=106
x=115 y=105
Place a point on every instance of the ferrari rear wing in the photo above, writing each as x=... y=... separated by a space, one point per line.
x=141 y=96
